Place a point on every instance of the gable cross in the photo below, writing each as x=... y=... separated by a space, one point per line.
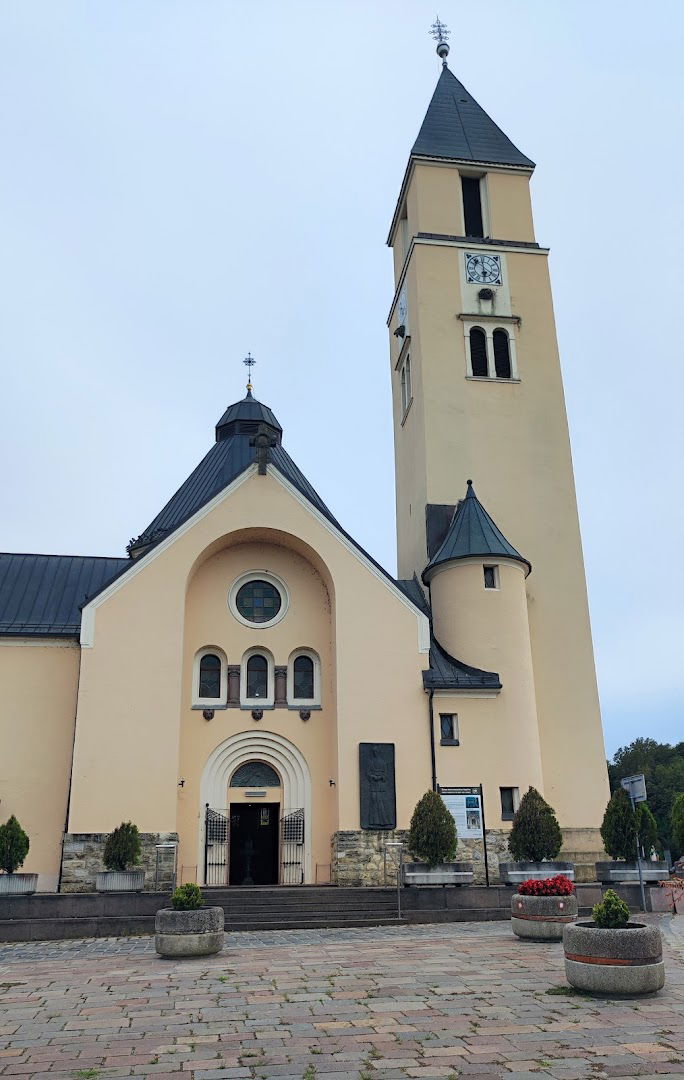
x=262 y=442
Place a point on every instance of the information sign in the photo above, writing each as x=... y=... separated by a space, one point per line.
x=465 y=806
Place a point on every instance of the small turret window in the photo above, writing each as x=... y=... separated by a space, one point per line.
x=502 y=354
x=478 y=352
x=491 y=577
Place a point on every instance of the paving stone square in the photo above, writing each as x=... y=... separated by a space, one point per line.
x=449 y=1000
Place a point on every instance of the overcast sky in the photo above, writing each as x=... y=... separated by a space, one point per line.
x=184 y=180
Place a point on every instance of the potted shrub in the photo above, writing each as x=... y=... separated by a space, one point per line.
x=534 y=843
x=121 y=852
x=14 y=846
x=541 y=908
x=188 y=928
x=620 y=830
x=432 y=840
x=611 y=955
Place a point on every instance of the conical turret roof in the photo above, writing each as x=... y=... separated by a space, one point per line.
x=457 y=128
x=473 y=534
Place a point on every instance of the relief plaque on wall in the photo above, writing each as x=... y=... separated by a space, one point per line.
x=377 y=787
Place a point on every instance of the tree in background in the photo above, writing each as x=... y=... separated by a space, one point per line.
x=677 y=826
x=663 y=767
x=647 y=830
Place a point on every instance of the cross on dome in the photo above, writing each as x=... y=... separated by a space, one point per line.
x=250 y=362
x=440 y=33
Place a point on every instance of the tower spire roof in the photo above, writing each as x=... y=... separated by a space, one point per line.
x=458 y=129
x=473 y=534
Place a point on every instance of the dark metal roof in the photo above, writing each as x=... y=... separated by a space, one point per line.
x=412 y=588
x=473 y=534
x=42 y=594
x=457 y=128
x=447 y=673
x=244 y=417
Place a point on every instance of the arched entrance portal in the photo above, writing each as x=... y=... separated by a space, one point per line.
x=273 y=846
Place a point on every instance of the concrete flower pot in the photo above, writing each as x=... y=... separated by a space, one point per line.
x=542 y=918
x=512 y=873
x=189 y=933
x=120 y=881
x=610 y=872
x=18 y=884
x=456 y=873
x=627 y=961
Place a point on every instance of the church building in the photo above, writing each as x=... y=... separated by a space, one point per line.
x=249 y=682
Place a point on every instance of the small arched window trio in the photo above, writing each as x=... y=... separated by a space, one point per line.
x=490 y=358
x=257 y=681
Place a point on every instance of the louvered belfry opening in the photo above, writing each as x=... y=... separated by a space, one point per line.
x=472 y=206
x=502 y=354
x=478 y=352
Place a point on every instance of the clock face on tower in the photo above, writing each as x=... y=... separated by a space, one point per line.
x=483 y=269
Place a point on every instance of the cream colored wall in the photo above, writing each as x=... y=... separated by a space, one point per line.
x=512 y=439
x=308 y=624
x=39 y=681
x=134 y=733
x=510 y=206
x=489 y=628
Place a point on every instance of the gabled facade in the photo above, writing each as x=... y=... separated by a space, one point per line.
x=249 y=684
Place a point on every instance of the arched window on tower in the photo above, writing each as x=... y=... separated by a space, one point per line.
x=478 y=352
x=210 y=676
x=502 y=354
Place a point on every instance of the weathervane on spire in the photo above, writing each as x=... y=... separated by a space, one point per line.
x=250 y=362
x=439 y=32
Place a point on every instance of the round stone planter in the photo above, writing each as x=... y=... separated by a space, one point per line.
x=628 y=961
x=18 y=884
x=542 y=918
x=189 y=933
x=456 y=873
x=512 y=873
x=628 y=872
x=120 y=881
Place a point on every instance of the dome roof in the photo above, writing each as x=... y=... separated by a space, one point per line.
x=244 y=417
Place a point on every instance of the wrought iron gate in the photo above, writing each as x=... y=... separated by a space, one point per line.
x=292 y=848
x=217 y=847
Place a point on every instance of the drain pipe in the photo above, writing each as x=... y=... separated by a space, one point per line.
x=432 y=743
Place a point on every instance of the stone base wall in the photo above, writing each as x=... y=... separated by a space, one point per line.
x=359 y=857
x=82 y=861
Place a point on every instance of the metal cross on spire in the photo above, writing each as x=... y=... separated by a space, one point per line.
x=250 y=362
x=440 y=33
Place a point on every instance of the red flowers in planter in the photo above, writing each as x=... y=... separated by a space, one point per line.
x=559 y=885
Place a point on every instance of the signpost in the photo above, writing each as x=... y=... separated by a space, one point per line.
x=635 y=786
x=466 y=806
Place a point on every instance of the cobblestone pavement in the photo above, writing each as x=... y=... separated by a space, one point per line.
x=452 y=1000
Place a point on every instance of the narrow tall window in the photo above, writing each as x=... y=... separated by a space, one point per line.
x=257 y=677
x=491 y=577
x=502 y=354
x=478 y=352
x=448 y=729
x=472 y=205
x=303 y=678
x=210 y=676
x=509 y=802
x=404 y=399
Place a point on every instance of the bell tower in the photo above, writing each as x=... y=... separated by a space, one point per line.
x=477 y=392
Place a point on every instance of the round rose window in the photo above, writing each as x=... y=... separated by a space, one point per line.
x=258 y=601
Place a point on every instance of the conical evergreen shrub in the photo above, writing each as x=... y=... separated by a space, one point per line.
x=619 y=828
x=122 y=847
x=536 y=834
x=647 y=830
x=677 y=818
x=14 y=846
x=432 y=836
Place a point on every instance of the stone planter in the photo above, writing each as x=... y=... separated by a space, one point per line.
x=542 y=918
x=18 y=884
x=120 y=881
x=189 y=933
x=456 y=873
x=628 y=961
x=512 y=873
x=628 y=872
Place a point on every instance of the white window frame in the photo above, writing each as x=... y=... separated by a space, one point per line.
x=210 y=703
x=259 y=575
x=304 y=702
x=488 y=329
x=258 y=703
